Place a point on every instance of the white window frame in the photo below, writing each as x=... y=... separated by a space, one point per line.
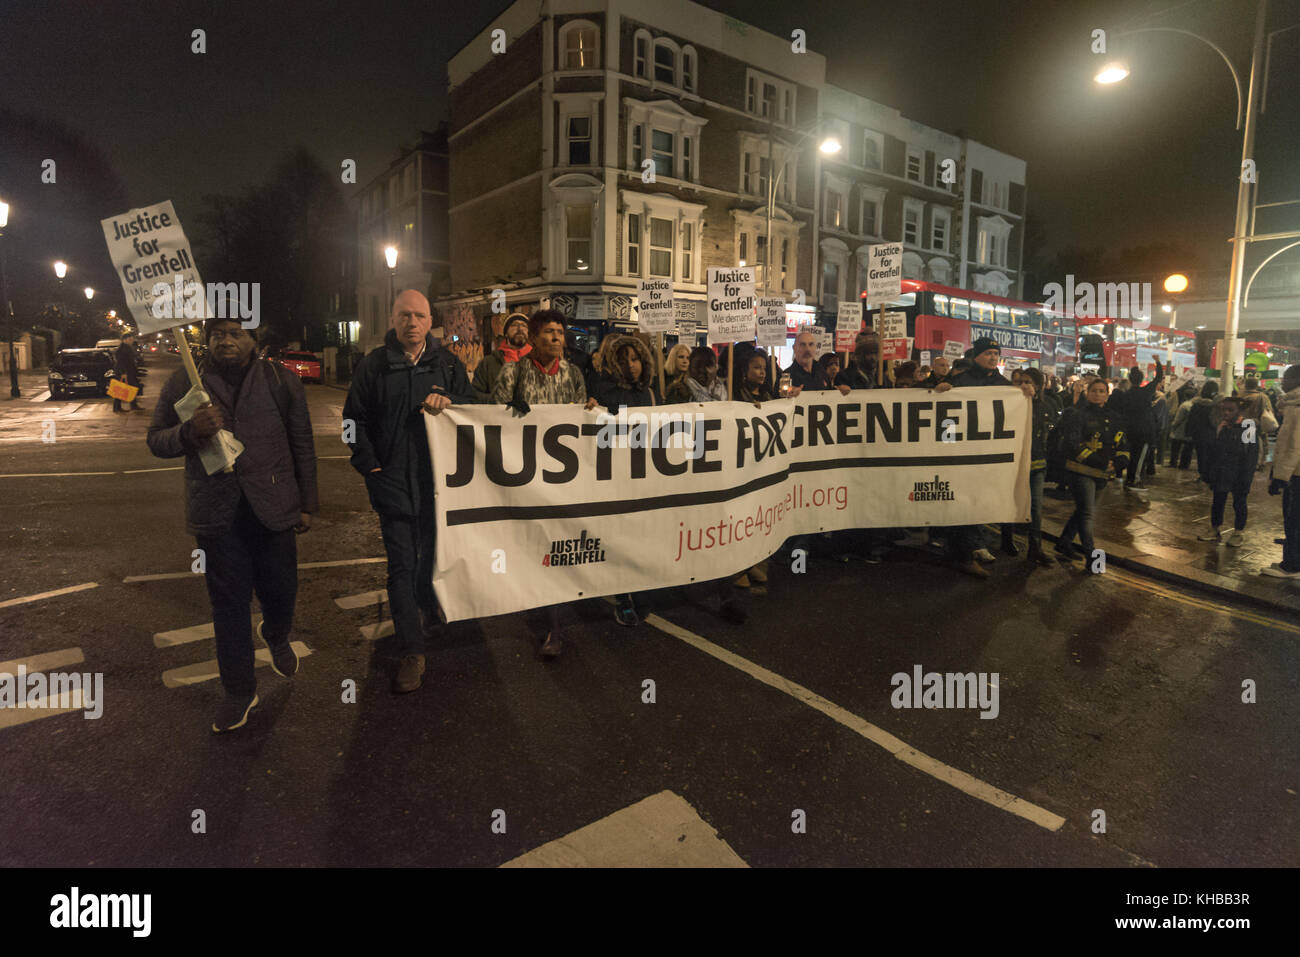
x=940 y=215
x=843 y=188
x=670 y=45
x=578 y=104
x=991 y=244
x=836 y=253
x=667 y=117
x=919 y=156
x=681 y=214
x=785 y=102
x=641 y=61
x=590 y=239
x=690 y=69
x=756 y=147
x=562 y=47
x=911 y=205
x=874 y=197
x=879 y=139
x=575 y=189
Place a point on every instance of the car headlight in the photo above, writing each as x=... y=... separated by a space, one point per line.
x=56 y=375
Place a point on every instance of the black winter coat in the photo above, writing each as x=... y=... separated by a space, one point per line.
x=1091 y=437
x=127 y=363
x=384 y=403
x=977 y=376
x=276 y=472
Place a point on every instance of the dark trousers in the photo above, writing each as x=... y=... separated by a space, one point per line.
x=130 y=380
x=1085 y=489
x=409 y=545
x=1239 y=493
x=1140 y=444
x=1291 y=523
x=1180 y=453
x=1204 y=449
x=249 y=558
x=1035 y=528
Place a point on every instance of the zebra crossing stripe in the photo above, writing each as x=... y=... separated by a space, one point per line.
x=207 y=670
x=363 y=600
x=376 y=631
x=48 y=661
x=182 y=636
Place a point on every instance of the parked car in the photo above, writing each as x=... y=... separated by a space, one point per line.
x=305 y=364
x=81 y=372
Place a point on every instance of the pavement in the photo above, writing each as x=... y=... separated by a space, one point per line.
x=1153 y=532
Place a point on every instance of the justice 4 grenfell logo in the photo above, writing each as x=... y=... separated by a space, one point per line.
x=574 y=551
x=936 y=491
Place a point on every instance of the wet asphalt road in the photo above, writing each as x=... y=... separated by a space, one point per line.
x=1114 y=695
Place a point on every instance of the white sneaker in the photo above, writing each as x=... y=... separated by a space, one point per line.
x=1209 y=537
x=1275 y=571
x=1235 y=539
x=984 y=555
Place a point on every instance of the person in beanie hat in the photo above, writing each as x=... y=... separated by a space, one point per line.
x=513 y=347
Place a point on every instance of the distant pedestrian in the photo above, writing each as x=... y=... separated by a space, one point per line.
x=244 y=520
x=514 y=346
x=1201 y=427
x=1234 y=453
x=1092 y=438
x=1284 y=479
x=409 y=373
x=127 y=366
x=1256 y=406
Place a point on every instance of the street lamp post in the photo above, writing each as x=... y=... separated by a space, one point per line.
x=390 y=256
x=5 y=312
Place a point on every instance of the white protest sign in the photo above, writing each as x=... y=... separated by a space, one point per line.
x=731 y=304
x=771 y=322
x=848 y=317
x=823 y=339
x=925 y=357
x=953 y=350
x=655 y=312
x=687 y=314
x=152 y=258
x=893 y=325
x=884 y=272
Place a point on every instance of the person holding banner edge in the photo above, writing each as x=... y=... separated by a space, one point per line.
x=244 y=519
x=391 y=387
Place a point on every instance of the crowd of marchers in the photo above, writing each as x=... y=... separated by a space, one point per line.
x=1086 y=431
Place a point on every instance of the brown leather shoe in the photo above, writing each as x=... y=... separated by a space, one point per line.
x=410 y=674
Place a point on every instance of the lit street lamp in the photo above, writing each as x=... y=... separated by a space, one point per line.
x=90 y=293
x=390 y=256
x=5 y=311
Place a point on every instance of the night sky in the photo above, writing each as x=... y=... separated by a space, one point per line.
x=1153 y=158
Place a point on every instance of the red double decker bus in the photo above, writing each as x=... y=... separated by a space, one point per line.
x=1027 y=332
x=1120 y=344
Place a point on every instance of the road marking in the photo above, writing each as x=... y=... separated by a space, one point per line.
x=363 y=600
x=900 y=749
x=40 y=398
x=182 y=636
x=169 y=468
x=49 y=594
x=662 y=830
x=376 y=631
x=35 y=709
x=207 y=670
x=50 y=474
x=166 y=576
x=1127 y=578
x=333 y=456
x=48 y=661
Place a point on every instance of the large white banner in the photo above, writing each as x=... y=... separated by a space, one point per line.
x=562 y=504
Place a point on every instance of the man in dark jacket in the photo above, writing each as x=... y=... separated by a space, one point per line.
x=244 y=519
x=390 y=389
x=964 y=540
x=513 y=348
x=1234 y=453
x=127 y=365
x=1134 y=408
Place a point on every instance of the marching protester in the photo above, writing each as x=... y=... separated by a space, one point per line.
x=627 y=386
x=127 y=366
x=905 y=375
x=806 y=372
x=939 y=370
x=1201 y=427
x=701 y=382
x=1284 y=479
x=963 y=540
x=1160 y=431
x=830 y=363
x=1233 y=456
x=1256 y=406
x=546 y=378
x=1030 y=381
x=753 y=386
x=1180 y=446
x=1133 y=407
x=410 y=372
x=514 y=346
x=861 y=373
x=675 y=366
x=245 y=519
x=1096 y=450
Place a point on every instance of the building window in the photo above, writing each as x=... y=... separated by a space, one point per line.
x=577 y=223
x=769 y=98
x=939 y=230
x=579 y=42
x=687 y=166
x=872 y=148
x=744 y=249
x=688 y=70
x=641 y=55
x=870 y=217
x=579 y=133
x=638 y=146
x=662 y=151
x=831 y=285
x=688 y=250
x=634 y=244
x=661 y=247
x=785 y=262
x=911 y=225
x=834 y=209
x=665 y=62
x=915 y=164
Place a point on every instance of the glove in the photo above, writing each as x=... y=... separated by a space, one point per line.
x=520 y=406
x=1277 y=486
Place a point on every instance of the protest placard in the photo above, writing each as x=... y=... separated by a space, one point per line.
x=771 y=322
x=655 y=306
x=731 y=304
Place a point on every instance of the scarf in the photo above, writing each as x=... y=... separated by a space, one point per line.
x=555 y=367
x=514 y=355
x=700 y=394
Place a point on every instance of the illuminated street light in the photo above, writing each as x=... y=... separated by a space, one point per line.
x=90 y=293
x=390 y=256
x=60 y=269
x=1166 y=308
x=830 y=146
x=1176 y=283
x=1112 y=72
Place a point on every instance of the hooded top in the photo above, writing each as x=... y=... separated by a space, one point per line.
x=615 y=388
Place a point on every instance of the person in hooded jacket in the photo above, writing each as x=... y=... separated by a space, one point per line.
x=1284 y=479
x=1180 y=446
x=1234 y=452
x=1096 y=450
x=514 y=346
x=1201 y=427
